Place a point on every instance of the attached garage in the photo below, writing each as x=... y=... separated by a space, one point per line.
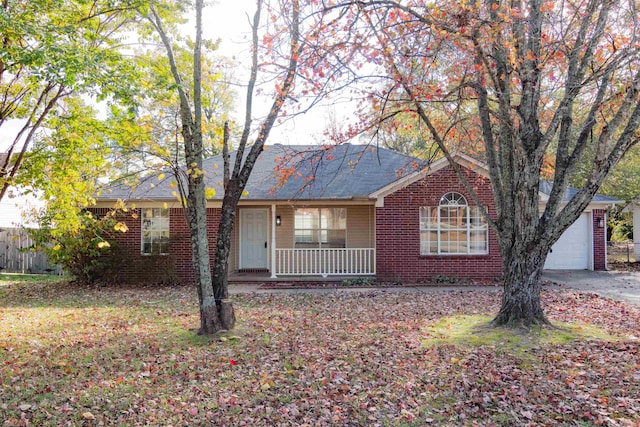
x=573 y=250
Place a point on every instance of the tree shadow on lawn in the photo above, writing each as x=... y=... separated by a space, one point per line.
x=329 y=358
x=70 y=294
x=100 y=362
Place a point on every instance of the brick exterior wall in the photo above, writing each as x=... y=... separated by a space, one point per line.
x=175 y=267
x=181 y=241
x=397 y=239
x=398 y=233
x=599 y=240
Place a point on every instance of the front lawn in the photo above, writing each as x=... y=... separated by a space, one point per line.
x=107 y=356
x=17 y=278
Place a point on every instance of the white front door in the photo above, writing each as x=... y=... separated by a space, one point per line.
x=253 y=238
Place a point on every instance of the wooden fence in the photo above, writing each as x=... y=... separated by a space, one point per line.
x=15 y=260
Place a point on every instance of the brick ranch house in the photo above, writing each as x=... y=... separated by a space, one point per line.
x=367 y=212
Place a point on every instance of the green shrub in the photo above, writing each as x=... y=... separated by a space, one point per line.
x=444 y=279
x=84 y=252
x=621 y=227
x=359 y=281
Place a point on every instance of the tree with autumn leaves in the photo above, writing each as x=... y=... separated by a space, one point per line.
x=289 y=65
x=542 y=85
x=277 y=43
x=539 y=83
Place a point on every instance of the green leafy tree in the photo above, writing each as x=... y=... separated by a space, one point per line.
x=65 y=165
x=64 y=169
x=622 y=183
x=50 y=49
x=159 y=142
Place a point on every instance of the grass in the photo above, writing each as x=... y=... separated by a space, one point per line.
x=16 y=278
x=74 y=355
x=473 y=330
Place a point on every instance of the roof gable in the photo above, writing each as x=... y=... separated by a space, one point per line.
x=481 y=169
x=461 y=159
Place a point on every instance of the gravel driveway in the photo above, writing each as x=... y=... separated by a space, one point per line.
x=619 y=285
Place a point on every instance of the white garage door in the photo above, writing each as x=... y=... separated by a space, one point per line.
x=571 y=251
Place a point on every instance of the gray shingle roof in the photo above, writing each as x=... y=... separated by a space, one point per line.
x=547 y=186
x=340 y=172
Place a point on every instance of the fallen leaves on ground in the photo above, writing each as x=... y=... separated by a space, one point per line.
x=109 y=356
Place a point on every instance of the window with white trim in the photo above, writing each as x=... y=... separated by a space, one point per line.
x=453 y=228
x=155 y=231
x=320 y=227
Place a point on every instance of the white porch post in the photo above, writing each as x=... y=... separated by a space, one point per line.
x=273 y=241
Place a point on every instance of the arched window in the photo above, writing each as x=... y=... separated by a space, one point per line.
x=453 y=199
x=453 y=228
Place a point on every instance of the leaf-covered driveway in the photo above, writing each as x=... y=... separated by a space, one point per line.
x=92 y=356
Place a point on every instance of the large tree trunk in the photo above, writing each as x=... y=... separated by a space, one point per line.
x=209 y=319
x=219 y=314
x=209 y=322
x=216 y=310
x=521 y=299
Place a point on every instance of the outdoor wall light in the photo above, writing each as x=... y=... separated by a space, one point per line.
x=278 y=220
x=600 y=222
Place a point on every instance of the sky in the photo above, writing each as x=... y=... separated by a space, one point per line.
x=228 y=20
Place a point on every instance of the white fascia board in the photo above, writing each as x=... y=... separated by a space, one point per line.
x=590 y=207
x=461 y=159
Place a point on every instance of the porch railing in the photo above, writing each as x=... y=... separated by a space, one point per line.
x=326 y=262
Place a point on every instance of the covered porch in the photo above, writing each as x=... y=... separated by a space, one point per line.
x=296 y=242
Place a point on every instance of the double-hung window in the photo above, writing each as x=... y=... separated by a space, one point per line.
x=155 y=231
x=453 y=228
x=320 y=227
